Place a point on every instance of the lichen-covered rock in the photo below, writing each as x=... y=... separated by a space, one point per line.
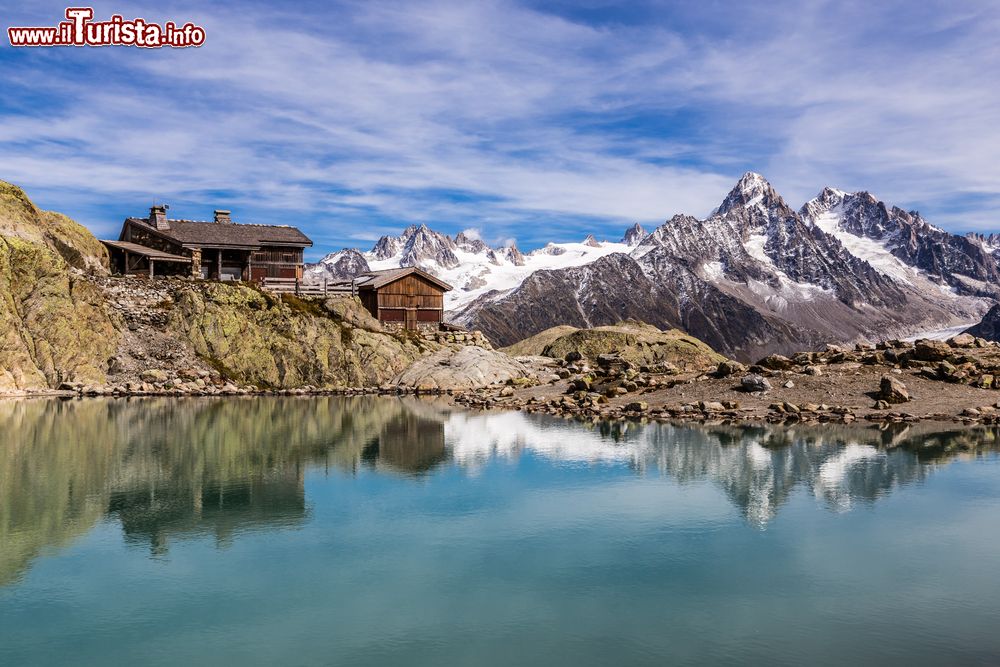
x=637 y=343
x=21 y=219
x=257 y=338
x=461 y=368
x=53 y=324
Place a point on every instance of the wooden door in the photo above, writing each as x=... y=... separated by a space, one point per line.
x=411 y=319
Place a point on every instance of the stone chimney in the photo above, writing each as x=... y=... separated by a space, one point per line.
x=222 y=217
x=158 y=216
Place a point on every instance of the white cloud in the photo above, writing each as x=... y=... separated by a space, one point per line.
x=494 y=114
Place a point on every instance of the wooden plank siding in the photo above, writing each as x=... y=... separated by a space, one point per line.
x=271 y=262
x=412 y=299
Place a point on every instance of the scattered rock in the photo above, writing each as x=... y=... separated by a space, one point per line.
x=729 y=367
x=153 y=375
x=962 y=340
x=754 y=383
x=931 y=350
x=892 y=390
x=776 y=362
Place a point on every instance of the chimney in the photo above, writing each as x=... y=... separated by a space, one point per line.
x=158 y=217
x=222 y=217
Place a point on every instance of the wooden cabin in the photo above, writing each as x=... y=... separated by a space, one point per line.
x=405 y=298
x=216 y=250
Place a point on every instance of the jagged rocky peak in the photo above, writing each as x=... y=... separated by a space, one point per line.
x=753 y=191
x=513 y=255
x=591 y=241
x=423 y=246
x=634 y=235
x=387 y=246
x=470 y=242
x=340 y=265
x=827 y=200
x=989 y=241
x=345 y=263
x=549 y=248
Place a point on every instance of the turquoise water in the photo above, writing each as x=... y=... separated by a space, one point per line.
x=316 y=531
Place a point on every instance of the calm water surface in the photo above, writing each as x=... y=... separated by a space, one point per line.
x=317 y=531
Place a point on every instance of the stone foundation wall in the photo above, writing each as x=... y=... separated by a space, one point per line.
x=422 y=327
x=474 y=338
x=432 y=331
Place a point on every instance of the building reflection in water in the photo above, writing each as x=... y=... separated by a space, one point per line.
x=169 y=469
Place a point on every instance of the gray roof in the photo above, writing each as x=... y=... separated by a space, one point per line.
x=376 y=279
x=198 y=233
x=144 y=251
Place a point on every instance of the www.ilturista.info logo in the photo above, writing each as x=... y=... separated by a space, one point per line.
x=80 y=30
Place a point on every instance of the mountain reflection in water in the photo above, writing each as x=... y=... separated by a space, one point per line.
x=168 y=469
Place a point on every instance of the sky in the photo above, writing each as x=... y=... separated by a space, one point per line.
x=534 y=121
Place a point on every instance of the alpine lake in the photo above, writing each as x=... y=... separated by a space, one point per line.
x=404 y=531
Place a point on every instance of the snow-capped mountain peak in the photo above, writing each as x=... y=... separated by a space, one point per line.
x=752 y=191
x=634 y=235
x=339 y=265
x=755 y=276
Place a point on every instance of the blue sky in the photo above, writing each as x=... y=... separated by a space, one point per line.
x=532 y=121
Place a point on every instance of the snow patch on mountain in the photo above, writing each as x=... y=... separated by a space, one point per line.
x=874 y=252
x=473 y=268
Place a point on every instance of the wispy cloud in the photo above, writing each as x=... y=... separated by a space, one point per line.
x=359 y=118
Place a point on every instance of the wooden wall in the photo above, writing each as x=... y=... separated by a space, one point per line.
x=276 y=262
x=411 y=299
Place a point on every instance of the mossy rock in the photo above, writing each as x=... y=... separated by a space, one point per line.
x=638 y=343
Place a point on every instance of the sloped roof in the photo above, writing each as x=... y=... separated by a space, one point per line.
x=144 y=251
x=377 y=279
x=196 y=232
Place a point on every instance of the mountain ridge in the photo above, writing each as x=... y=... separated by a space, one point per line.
x=755 y=276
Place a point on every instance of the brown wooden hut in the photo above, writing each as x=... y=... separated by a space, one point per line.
x=407 y=298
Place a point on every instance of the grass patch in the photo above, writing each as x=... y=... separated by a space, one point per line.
x=303 y=306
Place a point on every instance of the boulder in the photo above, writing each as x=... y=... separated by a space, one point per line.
x=465 y=367
x=754 y=383
x=729 y=367
x=153 y=375
x=891 y=390
x=962 y=340
x=776 y=362
x=931 y=350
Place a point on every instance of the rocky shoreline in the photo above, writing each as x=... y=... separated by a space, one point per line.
x=893 y=381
